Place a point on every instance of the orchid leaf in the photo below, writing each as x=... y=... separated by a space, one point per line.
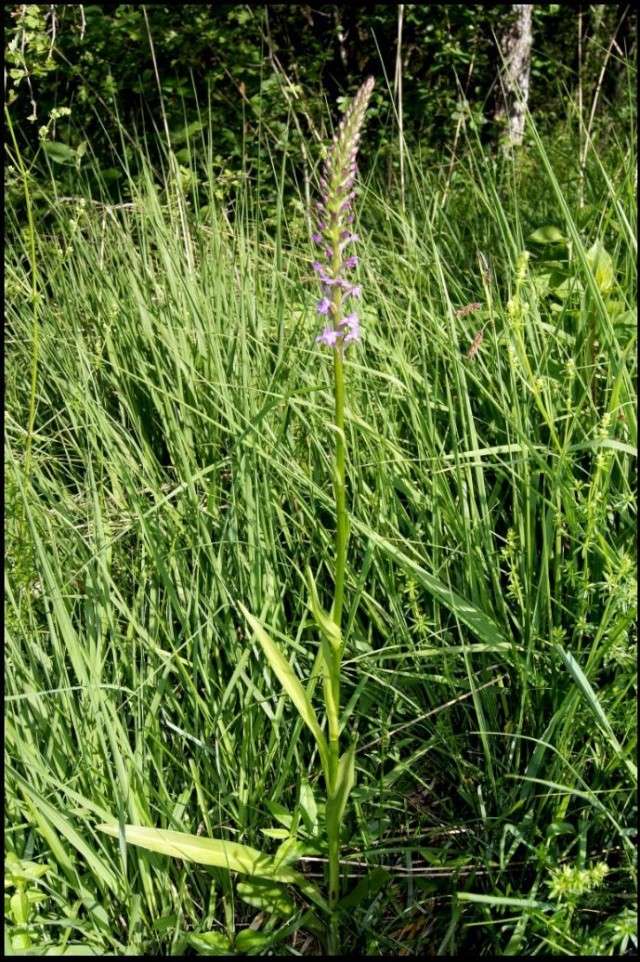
x=216 y=852
x=290 y=682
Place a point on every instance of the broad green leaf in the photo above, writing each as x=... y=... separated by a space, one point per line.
x=345 y=781
x=185 y=133
x=250 y=941
x=291 y=850
x=599 y=260
x=560 y=828
x=542 y=283
x=276 y=832
x=18 y=870
x=331 y=683
x=59 y=153
x=280 y=813
x=110 y=174
x=366 y=889
x=547 y=235
x=616 y=308
x=326 y=625
x=266 y=896
x=211 y=943
x=213 y=851
x=308 y=807
x=204 y=851
x=289 y=681
x=19 y=907
x=35 y=897
x=565 y=286
x=75 y=950
x=627 y=319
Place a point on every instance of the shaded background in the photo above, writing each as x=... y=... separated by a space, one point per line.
x=243 y=71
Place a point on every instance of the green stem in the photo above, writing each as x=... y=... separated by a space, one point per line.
x=340 y=492
x=333 y=680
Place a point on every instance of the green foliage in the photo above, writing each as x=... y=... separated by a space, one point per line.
x=253 y=66
x=179 y=465
x=23 y=878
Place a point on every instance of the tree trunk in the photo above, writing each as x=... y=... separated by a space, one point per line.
x=516 y=51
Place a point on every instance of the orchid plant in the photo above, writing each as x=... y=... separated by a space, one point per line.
x=334 y=237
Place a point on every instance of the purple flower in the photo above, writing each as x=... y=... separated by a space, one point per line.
x=352 y=323
x=347 y=238
x=324 y=306
x=328 y=337
x=322 y=274
x=350 y=261
x=317 y=238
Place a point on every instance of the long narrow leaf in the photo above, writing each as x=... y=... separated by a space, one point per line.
x=213 y=851
x=289 y=681
x=584 y=685
x=480 y=624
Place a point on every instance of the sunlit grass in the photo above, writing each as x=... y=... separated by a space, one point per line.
x=179 y=465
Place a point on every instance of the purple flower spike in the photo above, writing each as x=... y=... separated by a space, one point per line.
x=337 y=185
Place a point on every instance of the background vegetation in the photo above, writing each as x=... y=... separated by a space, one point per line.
x=268 y=72
x=167 y=456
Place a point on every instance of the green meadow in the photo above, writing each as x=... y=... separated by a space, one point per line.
x=168 y=458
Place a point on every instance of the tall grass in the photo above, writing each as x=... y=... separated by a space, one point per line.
x=179 y=464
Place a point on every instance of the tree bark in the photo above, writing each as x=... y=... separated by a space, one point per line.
x=516 y=50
